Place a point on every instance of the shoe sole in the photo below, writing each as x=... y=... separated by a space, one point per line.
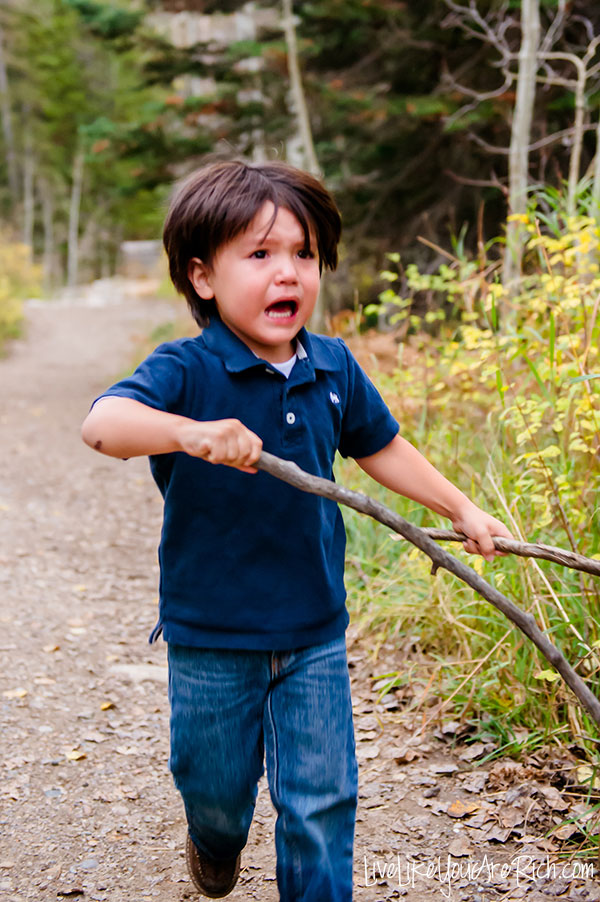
x=193 y=865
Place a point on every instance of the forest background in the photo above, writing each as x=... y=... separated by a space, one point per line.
x=461 y=143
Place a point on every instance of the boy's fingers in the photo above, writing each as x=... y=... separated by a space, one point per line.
x=231 y=443
x=256 y=450
x=233 y=450
x=249 y=452
x=205 y=448
x=488 y=549
x=483 y=544
x=487 y=546
x=472 y=547
x=241 y=450
x=252 y=449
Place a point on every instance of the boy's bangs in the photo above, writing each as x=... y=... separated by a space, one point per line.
x=237 y=217
x=289 y=202
x=240 y=215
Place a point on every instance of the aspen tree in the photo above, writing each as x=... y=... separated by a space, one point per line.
x=520 y=140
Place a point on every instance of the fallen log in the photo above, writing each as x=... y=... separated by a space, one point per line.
x=291 y=473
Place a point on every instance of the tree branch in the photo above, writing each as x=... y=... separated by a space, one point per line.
x=291 y=473
x=478 y=183
x=543 y=142
x=555 y=28
x=526 y=549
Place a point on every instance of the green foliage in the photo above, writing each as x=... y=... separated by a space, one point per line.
x=505 y=400
x=106 y=20
x=76 y=83
x=19 y=279
x=395 y=141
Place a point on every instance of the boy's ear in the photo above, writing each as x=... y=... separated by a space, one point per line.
x=199 y=276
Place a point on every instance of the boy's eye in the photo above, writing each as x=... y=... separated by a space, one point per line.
x=304 y=254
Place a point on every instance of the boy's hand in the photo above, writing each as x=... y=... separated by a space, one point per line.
x=480 y=527
x=221 y=442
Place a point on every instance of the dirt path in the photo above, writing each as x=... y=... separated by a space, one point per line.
x=87 y=808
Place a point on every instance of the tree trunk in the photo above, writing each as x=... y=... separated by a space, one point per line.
x=5 y=112
x=73 y=240
x=520 y=140
x=317 y=320
x=575 y=159
x=297 y=91
x=49 y=253
x=28 y=196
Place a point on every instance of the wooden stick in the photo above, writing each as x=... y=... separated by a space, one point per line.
x=526 y=549
x=291 y=473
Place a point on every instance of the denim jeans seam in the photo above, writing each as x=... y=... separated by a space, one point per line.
x=296 y=857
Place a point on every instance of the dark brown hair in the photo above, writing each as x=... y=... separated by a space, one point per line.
x=219 y=201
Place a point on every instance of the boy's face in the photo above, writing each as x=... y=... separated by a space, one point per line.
x=265 y=284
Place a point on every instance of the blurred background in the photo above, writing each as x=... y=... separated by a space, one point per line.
x=405 y=108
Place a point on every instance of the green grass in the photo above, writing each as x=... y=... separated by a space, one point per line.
x=464 y=660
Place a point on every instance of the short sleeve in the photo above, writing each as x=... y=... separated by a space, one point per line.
x=367 y=425
x=159 y=381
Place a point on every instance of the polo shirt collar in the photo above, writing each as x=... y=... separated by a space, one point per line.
x=238 y=357
x=318 y=352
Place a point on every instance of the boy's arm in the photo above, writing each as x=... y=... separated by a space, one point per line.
x=403 y=469
x=122 y=427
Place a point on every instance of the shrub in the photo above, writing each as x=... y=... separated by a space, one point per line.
x=505 y=400
x=18 y=279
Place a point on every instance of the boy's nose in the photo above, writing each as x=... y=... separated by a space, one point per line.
x=286 y=271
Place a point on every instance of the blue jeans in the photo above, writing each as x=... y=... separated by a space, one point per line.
x=231 y=709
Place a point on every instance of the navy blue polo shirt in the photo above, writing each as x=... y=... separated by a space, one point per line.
x=247 y=561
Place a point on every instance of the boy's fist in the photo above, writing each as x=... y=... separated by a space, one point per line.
x=221 y=442
x=480 y=527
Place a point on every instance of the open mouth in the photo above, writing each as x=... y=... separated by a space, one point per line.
x=282 y=309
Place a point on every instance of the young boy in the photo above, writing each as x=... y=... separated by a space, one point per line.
x=251 y=589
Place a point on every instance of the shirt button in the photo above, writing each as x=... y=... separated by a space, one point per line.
x=290 y=418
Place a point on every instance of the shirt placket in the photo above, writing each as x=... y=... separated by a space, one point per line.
x=291 y=415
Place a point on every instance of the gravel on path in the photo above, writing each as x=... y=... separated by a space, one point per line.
x=87 y=805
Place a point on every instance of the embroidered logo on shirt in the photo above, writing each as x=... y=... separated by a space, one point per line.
x=335 y=399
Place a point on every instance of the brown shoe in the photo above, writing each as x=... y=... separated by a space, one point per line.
x=214 y=879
